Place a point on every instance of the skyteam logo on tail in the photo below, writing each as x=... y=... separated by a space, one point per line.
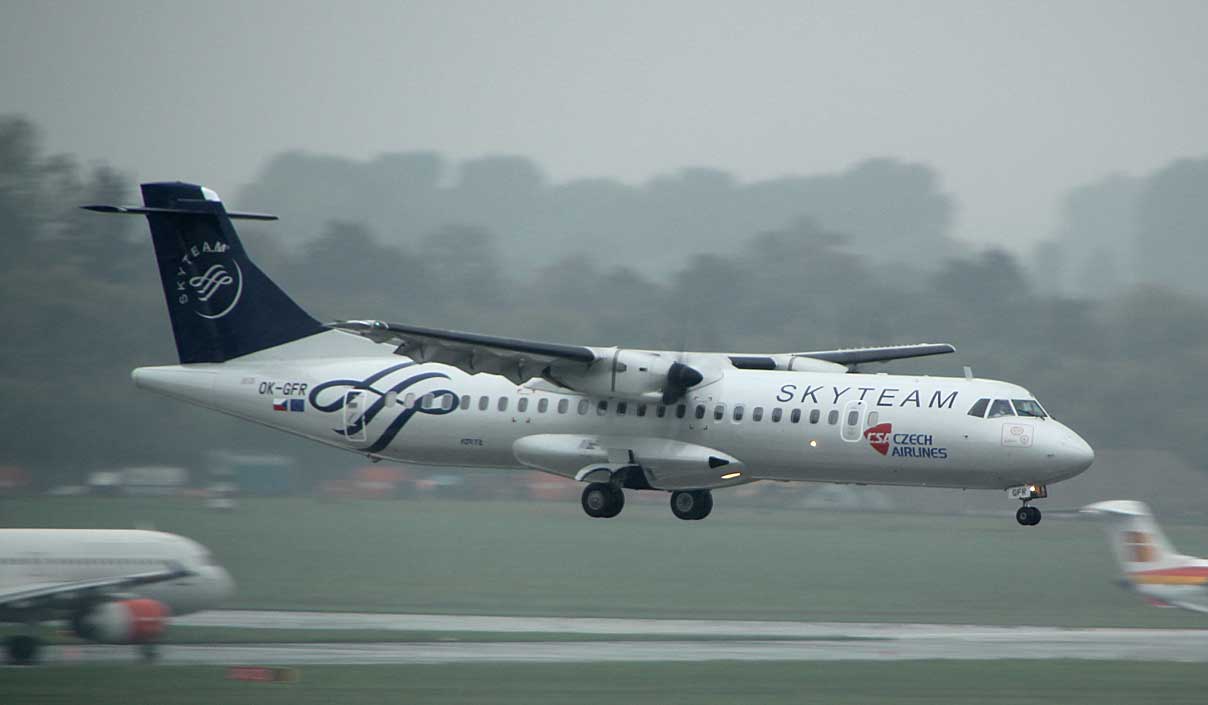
x=209 y=282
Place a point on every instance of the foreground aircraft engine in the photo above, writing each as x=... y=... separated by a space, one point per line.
x=137 y=621
x=639 y=375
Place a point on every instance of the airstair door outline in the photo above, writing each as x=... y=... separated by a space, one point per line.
x=355 y=406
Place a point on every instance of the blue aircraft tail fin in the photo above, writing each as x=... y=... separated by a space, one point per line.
x=220 y=303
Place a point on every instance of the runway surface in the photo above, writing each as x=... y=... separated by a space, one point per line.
x=680 y=640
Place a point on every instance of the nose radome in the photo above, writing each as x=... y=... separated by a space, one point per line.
x=1076 y=452
x=224 y=585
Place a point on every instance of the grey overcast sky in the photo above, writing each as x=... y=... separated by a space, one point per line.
x=1013 y=102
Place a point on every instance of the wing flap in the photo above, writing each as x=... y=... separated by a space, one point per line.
x=516 y=359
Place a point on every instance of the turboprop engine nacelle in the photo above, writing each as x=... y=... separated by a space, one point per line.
x=639 y=375
x=136 y=621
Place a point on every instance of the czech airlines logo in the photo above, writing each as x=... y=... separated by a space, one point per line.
x=212 y=285
x=903 y=445
x=879 y=436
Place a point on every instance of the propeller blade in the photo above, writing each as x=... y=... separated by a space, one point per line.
x=679 y=378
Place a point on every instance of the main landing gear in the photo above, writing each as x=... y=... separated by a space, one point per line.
x=1028 y=515
x=22 y=649
x=603 y=500
x=691 y=505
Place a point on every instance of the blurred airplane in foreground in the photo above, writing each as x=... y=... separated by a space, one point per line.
x=112 y=586
x=1151 y=566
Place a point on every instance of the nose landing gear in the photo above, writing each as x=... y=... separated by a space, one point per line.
x=1028 y=515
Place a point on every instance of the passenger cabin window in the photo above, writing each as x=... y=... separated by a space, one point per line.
x=446 y=402
x=484 y=403
x=871 y=420
x=660 y=411
x=409 y=401
x=815 y=416
x=833 y=417
x=719 y=412
x=522 y=405
x=681 y=410
x=465 y=402
x=602 y=408
x=503 y=403
x=622 y=407
x=563 y=405
x=795 y=417
x=700 y=411
x=584 y=405
x=542 y=406
x=979 y=408
x=1028 y=407
x=757 y=414
x=1001 y=407
x=641 y=410
x=776 y=414
x=738 y=409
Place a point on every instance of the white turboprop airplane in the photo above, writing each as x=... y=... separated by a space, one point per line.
x=112 y=586
x=614 y=418
x=1150 y=564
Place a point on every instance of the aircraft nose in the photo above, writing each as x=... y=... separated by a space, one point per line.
x=1074 y=453
x=223 y=584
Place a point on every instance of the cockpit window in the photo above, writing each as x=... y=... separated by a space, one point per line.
x=1000 y=407
x=1029 y=407
x=979 y=408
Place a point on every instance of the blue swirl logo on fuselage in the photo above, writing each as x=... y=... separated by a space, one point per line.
x=356 y=426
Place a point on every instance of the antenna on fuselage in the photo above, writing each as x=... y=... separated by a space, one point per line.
x=968 y=373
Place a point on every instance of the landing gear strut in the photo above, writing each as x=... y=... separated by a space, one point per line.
x=692 y=505
x=148 y=652
x=1028 y=515
x=603 y=500
x=22 y=649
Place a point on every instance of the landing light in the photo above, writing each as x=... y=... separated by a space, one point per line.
x=813 y=444
x=731 y=475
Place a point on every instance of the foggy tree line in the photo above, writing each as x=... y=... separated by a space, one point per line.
x=1124 y=363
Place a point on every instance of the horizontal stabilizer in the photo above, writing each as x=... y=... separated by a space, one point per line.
x=140 y=210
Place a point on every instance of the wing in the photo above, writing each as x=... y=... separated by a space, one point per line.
x=856 y=356
x=49 y=594
x=516 y=359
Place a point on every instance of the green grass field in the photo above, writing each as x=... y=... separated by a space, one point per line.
x=769 y=683
x=513 y=558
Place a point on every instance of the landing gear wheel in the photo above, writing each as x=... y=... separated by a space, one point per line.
x=22 y=649
x=148 y=652
x=1027 y=516
x=693 y=505
x=602 y=501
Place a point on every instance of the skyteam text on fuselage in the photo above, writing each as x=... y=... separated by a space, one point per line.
x=613 y=418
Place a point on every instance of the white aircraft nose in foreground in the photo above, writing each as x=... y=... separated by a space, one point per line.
x=613 y=418
x=1149 y=562
x=112 y=586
